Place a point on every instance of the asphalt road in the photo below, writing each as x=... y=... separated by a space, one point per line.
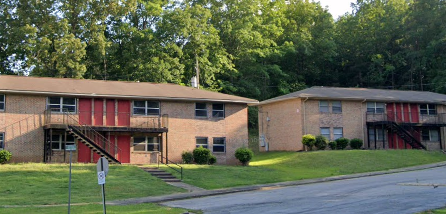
x=408 y=192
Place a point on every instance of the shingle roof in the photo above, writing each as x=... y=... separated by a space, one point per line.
x=363 y=94
x=114 y=89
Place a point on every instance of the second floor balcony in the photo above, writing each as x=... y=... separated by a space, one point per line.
x=107 y=121
x=409 y=118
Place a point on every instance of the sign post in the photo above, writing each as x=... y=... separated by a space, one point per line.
x=70 y=148
x=102 y=173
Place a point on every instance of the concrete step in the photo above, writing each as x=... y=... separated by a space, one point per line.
x=165 y=176
x=171 y=180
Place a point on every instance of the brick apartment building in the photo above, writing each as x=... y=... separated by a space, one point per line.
x=383 y=119
x=126 y=122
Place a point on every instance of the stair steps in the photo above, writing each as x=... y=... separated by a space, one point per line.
x=163 y=175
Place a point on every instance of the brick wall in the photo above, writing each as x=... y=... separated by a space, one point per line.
x=281 y=124
x=184 y=127
x=21 y=122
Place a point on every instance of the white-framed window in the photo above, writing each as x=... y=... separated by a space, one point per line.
x=2 y=140
x=336 y=107
x=430 y=135
x=375 y=107
x=201 y=141
x=57 y=141
x=218 y=110
x=337 y=132
x=219 y=144
x=145 y=107
x=2 y=102
x=428 y=109
x=146 y=144
x=200 y=110
x=61 y=104
x=380 y=134
x=323 y=106
x=325 y=131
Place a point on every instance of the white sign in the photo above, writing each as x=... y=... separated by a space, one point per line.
x=103 y=165
x=70 y=147
x=101 y=177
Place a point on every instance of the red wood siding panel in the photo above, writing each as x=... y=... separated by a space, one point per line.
x=95 y=157
x=110 y=113
x=85 y=111
x=98 y=112
x=400 y=143
x=391 y=140
x=399 y=112
x=414 y=113
x=83 y=153
x=390 y=111
x=124 y=146
x=406 y=113
x=123 y=113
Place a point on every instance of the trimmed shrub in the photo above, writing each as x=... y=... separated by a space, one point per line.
x=201 y=155
x=244 y=155
x=309 y=140
x=341 y=143
x=321 y=142
x=212 y=160
x=356 y=143
x=332 y=145
x=187 y=157
x=5 y=156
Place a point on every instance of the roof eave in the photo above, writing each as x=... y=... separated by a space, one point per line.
x=127 y=96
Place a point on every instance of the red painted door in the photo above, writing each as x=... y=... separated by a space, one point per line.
x=83 y=153
x=98 y=112
x=123 y=113
x=414 y=113
x=110 y=113
x=85 y=111
x=124 y=149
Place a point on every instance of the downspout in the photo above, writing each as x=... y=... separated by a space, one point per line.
x=363 y=115
x=305 y=124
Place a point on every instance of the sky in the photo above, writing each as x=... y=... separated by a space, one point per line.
x=337 y=7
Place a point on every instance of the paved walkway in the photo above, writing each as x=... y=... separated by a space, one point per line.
x=203 y=193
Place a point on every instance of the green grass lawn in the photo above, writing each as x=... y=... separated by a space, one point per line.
x=27 y=184
x=274 y=167
x=97 y=209
x=439 y=211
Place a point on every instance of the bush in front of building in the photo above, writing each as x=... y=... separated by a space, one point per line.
x=212 y=160
x=201 y=155
x=332 y=145
x=341 y=143
x=309 y=140
x=244 y=155
x=356 y=143
x=187 y=157
x=5 y=156
x=321 y=142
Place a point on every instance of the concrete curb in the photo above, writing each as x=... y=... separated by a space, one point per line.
x=182 y=196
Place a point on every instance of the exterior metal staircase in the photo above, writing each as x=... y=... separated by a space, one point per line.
x=405 y=135
x=86 y=135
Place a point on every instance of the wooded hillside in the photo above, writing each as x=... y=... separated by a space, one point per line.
x=253 y=48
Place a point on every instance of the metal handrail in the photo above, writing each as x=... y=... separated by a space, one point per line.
x=86 y=130
x=160 y=158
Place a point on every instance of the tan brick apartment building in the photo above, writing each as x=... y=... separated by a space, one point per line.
x=383 y=119
x=126 y=122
